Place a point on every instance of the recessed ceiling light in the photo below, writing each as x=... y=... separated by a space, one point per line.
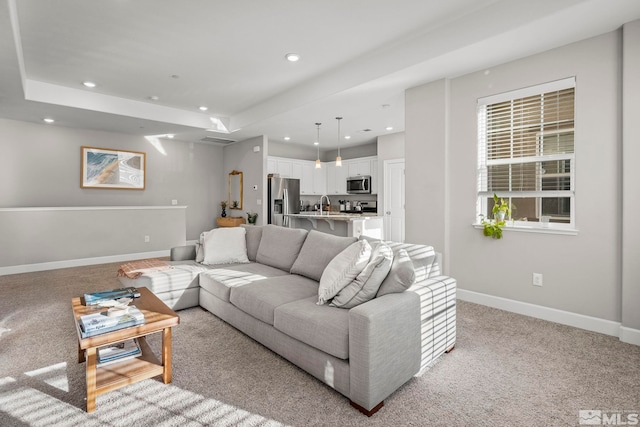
x=347 y=137
x=316 y=143
x=203 y=108
x=389 y=128
x=170 y=135
x=48 y=120
x=292 y=57
x=89 y=84
x=154 y=98
x=287 y=138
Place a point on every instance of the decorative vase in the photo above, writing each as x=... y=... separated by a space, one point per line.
x=500 y=215
x=224 y=213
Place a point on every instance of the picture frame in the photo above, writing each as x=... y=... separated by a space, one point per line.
x=107 y=168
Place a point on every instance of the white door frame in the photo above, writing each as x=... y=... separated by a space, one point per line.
x=386 y=204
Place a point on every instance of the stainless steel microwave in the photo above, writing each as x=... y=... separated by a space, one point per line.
x=359 y=184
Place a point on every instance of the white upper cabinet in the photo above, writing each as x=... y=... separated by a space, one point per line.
x=280 y=166
x=307 y=178
x=329 y=179
x=336 y=179
x=358 y=167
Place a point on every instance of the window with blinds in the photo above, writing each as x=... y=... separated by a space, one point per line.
x=526 y=153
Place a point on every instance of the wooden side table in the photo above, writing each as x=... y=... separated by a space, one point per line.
x=230 y=221
x=158 y=318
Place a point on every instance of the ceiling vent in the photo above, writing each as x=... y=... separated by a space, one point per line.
x=363 y=130
x=219 y=141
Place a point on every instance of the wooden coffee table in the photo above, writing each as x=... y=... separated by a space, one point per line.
x=158 y=318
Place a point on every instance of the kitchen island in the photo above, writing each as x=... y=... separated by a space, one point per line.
x=339 y=224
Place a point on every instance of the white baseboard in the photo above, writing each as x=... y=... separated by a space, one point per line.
x=54 y=265
x=628 y=335
x=608 y=327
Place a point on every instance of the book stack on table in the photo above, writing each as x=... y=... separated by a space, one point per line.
x=114 y=294
x=100 y=323
x=118 y=352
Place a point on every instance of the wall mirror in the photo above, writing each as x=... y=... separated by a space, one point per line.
x=235 y=190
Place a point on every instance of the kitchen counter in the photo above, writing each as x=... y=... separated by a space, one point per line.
x=333 y=216
x=339 y=223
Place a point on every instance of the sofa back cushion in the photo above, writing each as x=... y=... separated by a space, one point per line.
x=254 y=235
x=317 y=252
x=280 y=246
x=423 y=257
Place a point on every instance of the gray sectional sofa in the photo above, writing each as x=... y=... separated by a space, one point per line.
x=365 y=352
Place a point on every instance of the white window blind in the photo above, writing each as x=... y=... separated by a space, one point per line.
x=526 y=153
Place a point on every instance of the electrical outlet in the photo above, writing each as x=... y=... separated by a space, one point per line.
x=174 y=202
x=147 y=239
x=537 y=279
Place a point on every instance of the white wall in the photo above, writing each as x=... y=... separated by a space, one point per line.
x=631 y=176
x=240 y=156
x=582 y=273
x=41 y=168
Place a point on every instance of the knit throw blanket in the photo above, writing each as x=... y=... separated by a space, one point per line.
x=135 y=269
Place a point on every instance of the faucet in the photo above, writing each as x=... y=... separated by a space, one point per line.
x=328 y=203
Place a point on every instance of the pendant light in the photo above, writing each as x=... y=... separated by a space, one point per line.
x=318 y=164
x=338 y=159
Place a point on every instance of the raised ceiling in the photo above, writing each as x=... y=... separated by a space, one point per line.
x=357 y=59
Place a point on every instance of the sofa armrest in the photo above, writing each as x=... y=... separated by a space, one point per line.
x=384 y=346
x=437 y=316
x=183 y=253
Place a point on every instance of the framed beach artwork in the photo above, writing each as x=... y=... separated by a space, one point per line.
x=107 y=168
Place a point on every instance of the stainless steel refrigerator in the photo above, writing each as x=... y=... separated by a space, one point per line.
x=283 y=195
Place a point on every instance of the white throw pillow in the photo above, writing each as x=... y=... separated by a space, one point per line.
x=225 y=246
x=200 y=247
x=342 y=269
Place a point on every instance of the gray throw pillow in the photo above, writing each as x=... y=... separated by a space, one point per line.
x=365 y=286
x=279 y=246
x=401 y=276
x=317 y=252
x=254 y=234
x=343 y=269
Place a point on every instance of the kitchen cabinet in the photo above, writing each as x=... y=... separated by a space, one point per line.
x=307 y=178
x=359 y=167
x=336 y=179
x=319 y=180
x=330 y=179
x=280 y=166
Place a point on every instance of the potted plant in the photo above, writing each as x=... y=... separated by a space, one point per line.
x=234 y=204
x=223 y=205
x=500 y=211
x=252 y=217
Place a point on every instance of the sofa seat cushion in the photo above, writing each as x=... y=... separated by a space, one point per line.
x=219 y=281
x=320 y=326
x=183 y=275
x=260 y=299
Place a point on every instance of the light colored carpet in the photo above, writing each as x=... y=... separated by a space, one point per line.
x=506 y=370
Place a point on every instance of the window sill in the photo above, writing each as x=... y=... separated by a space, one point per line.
x=532 y=229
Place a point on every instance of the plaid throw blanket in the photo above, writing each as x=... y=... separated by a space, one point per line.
x=135 y=269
